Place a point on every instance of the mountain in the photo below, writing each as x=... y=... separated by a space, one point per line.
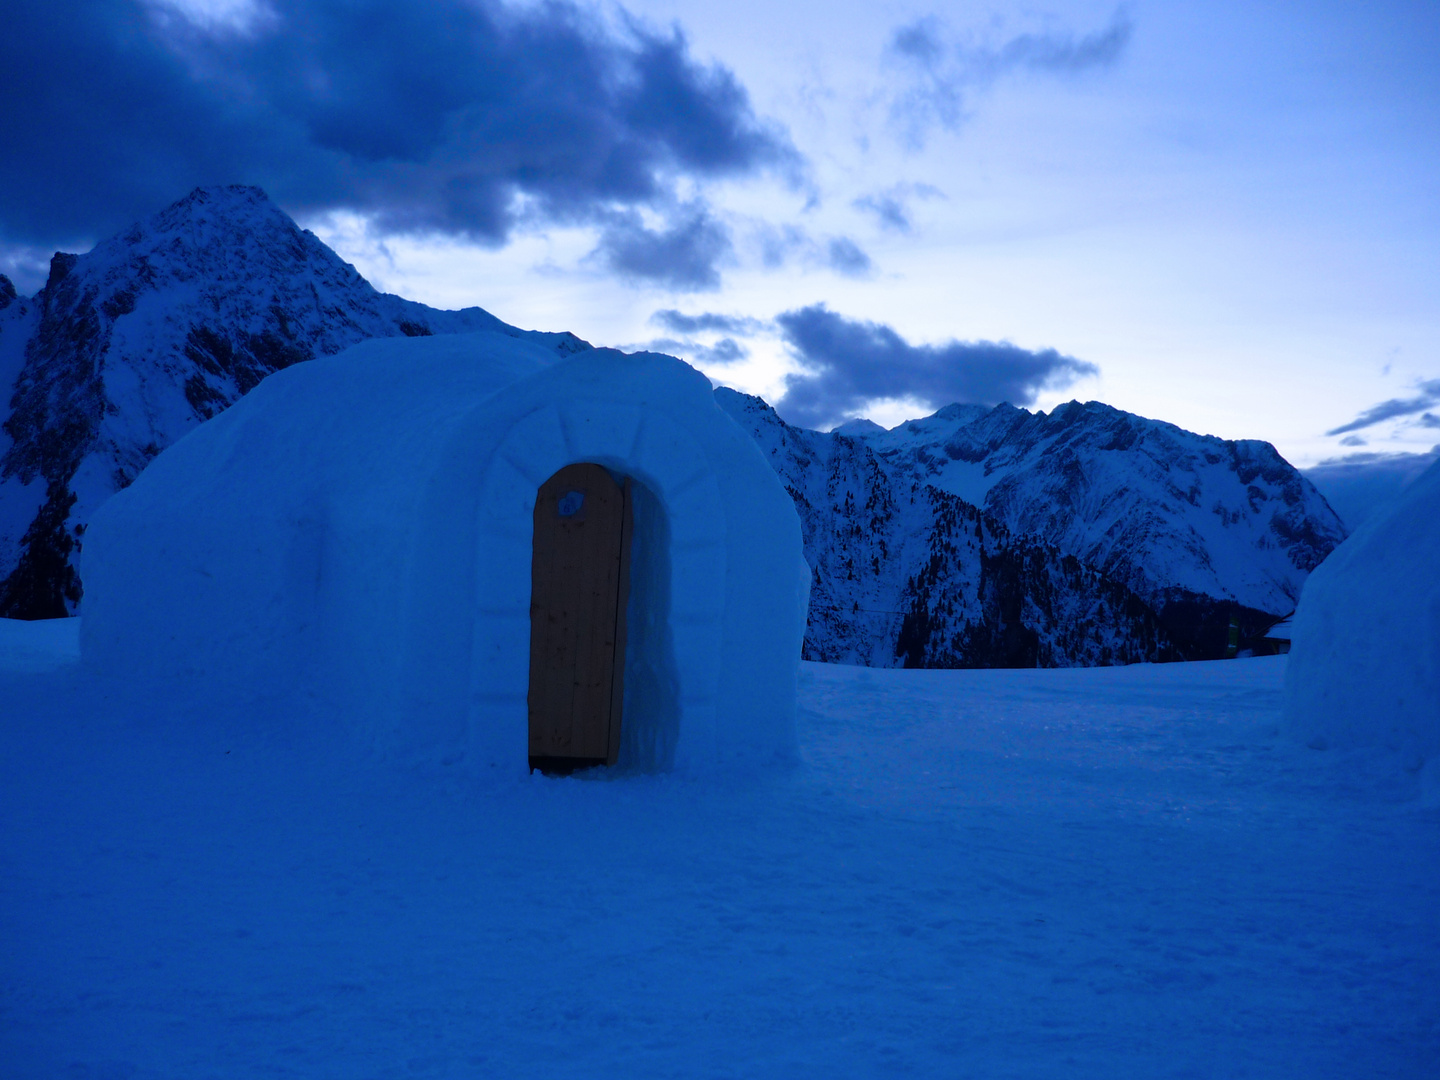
x=973 y=537
x=1192 y=528
x=908 y=574
x=128 y=347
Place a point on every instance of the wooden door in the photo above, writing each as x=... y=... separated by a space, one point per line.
x=579 y=584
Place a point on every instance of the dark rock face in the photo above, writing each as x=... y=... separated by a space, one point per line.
x=58 y=402
x=1033 y=606
x=44 y=584
x=153 y=332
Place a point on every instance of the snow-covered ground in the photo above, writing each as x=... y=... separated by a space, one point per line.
x=1116 y=872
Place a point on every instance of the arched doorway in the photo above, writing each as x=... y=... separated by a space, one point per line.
x=579 y=586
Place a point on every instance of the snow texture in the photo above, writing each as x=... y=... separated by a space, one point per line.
x=42 y=645
x=1365 y=648
x=1097 y=873
x=361 y=527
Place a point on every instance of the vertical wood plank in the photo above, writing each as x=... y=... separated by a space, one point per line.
x=578 y=567
x=622 y=603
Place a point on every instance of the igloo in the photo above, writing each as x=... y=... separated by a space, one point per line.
x=1364 y=666
x=385 y=528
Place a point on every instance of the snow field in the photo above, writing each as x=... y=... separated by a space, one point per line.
x=1104 y=872
x=43 y=645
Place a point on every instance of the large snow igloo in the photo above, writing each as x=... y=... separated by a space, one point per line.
x=1364 y=664
x=395 y=529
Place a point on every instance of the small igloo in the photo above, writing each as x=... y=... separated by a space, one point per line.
x=400 y=529
x=1364 y=664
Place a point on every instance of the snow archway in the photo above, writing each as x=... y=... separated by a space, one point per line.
x=677 y=603
x=361 y=527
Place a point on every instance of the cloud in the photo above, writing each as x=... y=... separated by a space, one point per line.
x=943 y=72
x=1396 y=407
x=1390 y=459
x=213 y=16
x=845 y=257
x=429 y=116
x=778 y=243
x=678 y=322
x=28 y=267
x=890 y=211
x=725 y=351
x=1358 y=485
x=1354 y=440
x=890 y=206
x=851 y=363
x=1062 y=53
x=790 y=244
x=1429 y=420
x=682 y=257
x=921 y=41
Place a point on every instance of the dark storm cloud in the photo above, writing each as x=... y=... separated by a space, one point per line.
x=1428 y=397
x=854 y=362
x=682 y=256
x=725 y=351
x=427 y=115
x=677 y=322
x=943 y=71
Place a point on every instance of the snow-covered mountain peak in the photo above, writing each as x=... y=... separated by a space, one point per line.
x=859 y=428
x=1153 y=505
x=1200 y=528
x=156 y=329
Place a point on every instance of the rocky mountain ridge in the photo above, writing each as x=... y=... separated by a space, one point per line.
x=908 y=575
x=1194 y=529
x=129 y=346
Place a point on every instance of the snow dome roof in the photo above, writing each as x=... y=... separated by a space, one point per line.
x=361 y=525
x=1364 y=664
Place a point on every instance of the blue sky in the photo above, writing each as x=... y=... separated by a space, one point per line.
x=1220 y=215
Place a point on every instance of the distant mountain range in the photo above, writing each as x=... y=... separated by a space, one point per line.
x=1086 y=527
x=974 y=537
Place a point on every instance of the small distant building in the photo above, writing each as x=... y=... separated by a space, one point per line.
x=479 y=551
x=1275 y=640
